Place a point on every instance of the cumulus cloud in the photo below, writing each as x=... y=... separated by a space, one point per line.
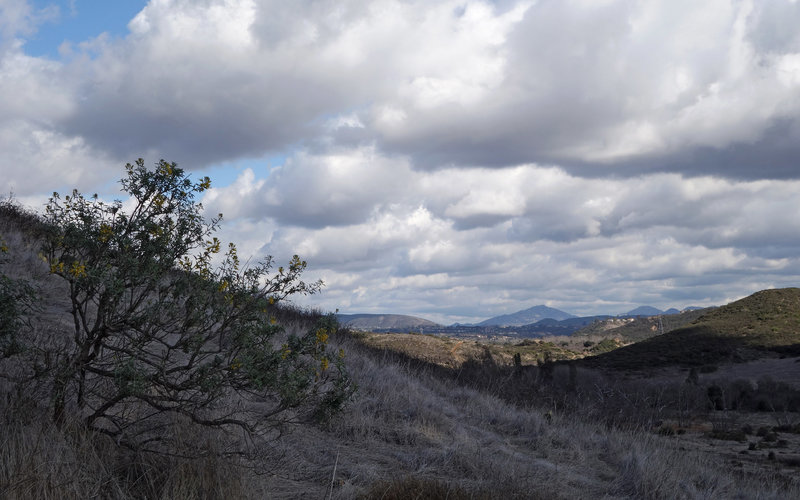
x=318 y=190
x=19 y=19
x=35 y=150
x=645 y=84
x=503 y=238
x=626 y=87
x=450 y=158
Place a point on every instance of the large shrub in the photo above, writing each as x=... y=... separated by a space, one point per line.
x=169 y=328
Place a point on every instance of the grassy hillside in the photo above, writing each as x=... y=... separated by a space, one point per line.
x=765 y=324
x=452 y=352
x=411 y=431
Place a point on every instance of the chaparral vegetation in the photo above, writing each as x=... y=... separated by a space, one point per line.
x=140 y=358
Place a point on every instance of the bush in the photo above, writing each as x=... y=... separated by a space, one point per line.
x=162 y=336
x=16 y=302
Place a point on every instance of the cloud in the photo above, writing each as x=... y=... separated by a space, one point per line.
x=316 y=191
x=36 y=151
x=633 y=83
x=457 y=158
x=624 y=87
x=19 y=19
x=503 y=238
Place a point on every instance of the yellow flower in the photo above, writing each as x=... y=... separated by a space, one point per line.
x=165 y=169
x=77 y=269
x=213 y=245
x=322 y=336
x=105 y=232
x=323 y=363
x=159 y=200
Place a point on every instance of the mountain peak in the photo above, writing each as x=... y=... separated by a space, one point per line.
x=527 y=316
x=643 y=311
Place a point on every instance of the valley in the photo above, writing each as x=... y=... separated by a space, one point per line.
x=710 y=408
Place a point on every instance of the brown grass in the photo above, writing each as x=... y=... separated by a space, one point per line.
x=414 y=429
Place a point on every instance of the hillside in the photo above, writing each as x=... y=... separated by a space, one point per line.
x=765 y=324
x=453 y=352
x=630 y=330
x=413 y=430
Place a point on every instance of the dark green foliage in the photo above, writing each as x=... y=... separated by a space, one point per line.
x=162 y=334
x=605 y=345
x=16 y=302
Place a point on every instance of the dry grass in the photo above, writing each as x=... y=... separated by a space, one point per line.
x=410 y=432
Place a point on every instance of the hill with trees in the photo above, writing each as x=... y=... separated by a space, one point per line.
x=765 y=324
x=133 y=366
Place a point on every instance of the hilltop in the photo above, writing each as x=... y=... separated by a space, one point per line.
x=527 y=317
x=765 y=324
x=419 y=426
x=379 y=322
x=628 y=329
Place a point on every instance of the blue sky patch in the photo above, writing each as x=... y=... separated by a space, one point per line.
x=79 y=20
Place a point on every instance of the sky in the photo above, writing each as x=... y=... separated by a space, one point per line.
x=448 y=159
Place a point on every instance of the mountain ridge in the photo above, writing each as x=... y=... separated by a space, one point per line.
x=527 y=316
x=383 y=321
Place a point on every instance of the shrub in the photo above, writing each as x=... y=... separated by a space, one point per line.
x=162 y=335
x=16 y=301
x=728 y=435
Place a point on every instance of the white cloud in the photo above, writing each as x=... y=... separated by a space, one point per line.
x=504 y=239
x=448 y=157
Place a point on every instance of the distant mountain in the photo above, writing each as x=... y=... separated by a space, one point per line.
x=765 y=324
x=383 y=322
x=527 y=317
x=643 y=311
x=672 y=310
